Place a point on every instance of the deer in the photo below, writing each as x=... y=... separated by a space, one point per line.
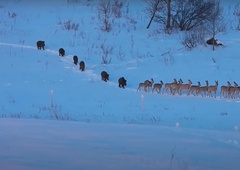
x=194 y=88
x=203 y=89
x=213 y=89
x=184 y=86
x=232 y=90
x=175 y=87
x=142 y=85
x=157 y=87
x=146 y=84
x=150 y=83
x=168 y=86
x=225 y=90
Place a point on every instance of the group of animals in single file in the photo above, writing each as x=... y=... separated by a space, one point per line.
x=176 y=87
x=122 y=82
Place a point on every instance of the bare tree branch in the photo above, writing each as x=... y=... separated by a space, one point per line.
x=153 y=7
x=190 y=14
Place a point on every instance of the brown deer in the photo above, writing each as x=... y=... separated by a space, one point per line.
x=157 y=87
x=175 y=87
x=203 y=89
x=146 y=84
x=184 y=86
x=232 y=90
x=213 y=89
x=150 y=83
x=142 y=85
x=225 y=90
x=168 y=86
x=194 y=88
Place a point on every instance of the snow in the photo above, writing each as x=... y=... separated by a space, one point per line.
x=72 y=145
x=53 y=116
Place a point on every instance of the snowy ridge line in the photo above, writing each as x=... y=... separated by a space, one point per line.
x=93 y=76
x=27 y=46
x=17 y=45
x=66 y=59
x=52 y=51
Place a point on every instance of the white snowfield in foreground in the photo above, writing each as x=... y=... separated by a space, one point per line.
x=44 y=144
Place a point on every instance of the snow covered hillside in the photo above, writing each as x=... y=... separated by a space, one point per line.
x=39 y=85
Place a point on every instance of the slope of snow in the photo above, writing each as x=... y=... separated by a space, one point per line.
x=73 y=145
x=51 y=102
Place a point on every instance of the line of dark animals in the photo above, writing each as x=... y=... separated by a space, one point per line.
x=122 y=82
x=61 y=53
x=228 y=91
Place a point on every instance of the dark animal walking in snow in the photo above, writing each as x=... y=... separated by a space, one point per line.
x=122 y=82
x=61 y=52
x=40 y=45
x=75 y=59
x=82 y=65
x=105 y=76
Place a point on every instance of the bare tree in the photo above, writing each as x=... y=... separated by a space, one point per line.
x=159 y=11
x=194 y=37
x=104 y=14
x=183 y=14
x=188 y=14
x=168 y=24
x=153 y=7
x=215 y=22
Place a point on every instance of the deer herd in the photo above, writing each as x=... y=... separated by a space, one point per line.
x=178 y=87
